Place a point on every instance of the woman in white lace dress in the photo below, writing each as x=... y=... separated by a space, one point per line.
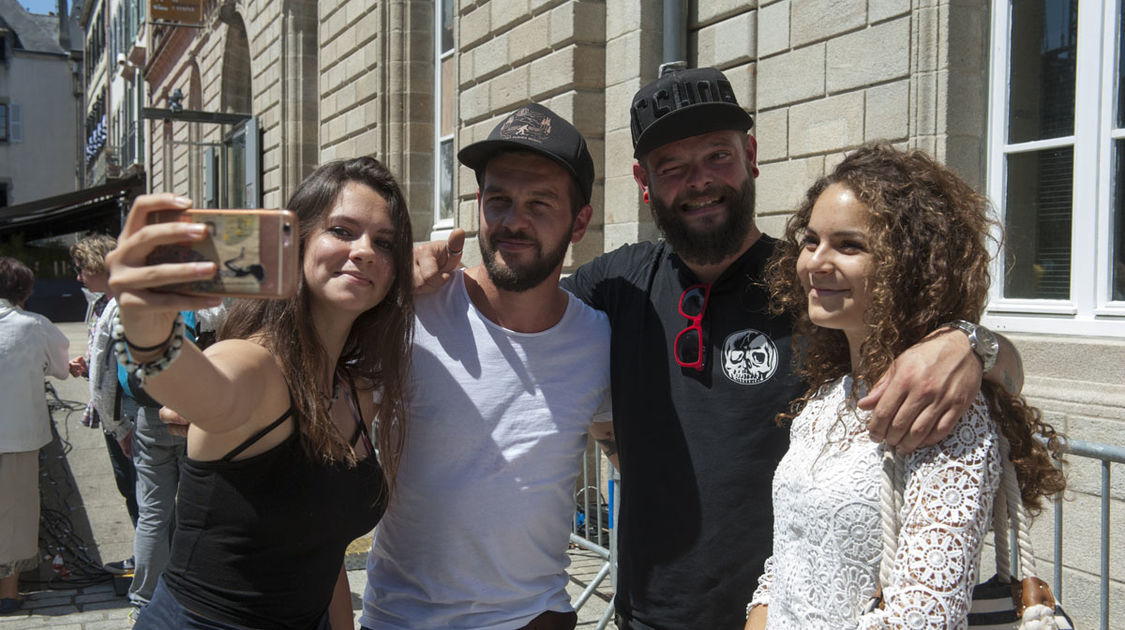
x=884 y=251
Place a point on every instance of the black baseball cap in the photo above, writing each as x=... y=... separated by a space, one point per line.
x=538 y=129
x=682 y=104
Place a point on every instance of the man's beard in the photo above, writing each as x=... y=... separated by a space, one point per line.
x=721 y=240
x=526 y=276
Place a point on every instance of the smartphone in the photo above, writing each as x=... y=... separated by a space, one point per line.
x=255 y=252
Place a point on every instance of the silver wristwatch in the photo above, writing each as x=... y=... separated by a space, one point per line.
x=981 y=340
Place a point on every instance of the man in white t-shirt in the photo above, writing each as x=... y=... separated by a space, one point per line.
x=508 y=371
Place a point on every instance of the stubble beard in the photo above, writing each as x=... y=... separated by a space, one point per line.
x=721 y=240
x=527 y=276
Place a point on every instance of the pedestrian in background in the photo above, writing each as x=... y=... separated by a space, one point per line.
x=158 y=454
x=30 y=347
x=107 y=409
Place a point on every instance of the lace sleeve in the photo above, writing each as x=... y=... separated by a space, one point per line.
x=761 y=595
x=945 y=516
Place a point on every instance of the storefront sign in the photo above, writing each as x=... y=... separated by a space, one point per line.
x=178 y=11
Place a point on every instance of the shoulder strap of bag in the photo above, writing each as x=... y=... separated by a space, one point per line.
x=890 y=497
x=1008 y=514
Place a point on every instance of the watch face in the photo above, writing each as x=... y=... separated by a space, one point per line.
x=986 y=345
x=988 y=342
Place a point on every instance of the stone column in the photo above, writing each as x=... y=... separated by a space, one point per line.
x=299 y=88
x=408 y=77
x=949 y=83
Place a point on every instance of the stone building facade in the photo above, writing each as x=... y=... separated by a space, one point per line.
x=983 y=85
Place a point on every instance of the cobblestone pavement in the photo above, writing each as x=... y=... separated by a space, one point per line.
x=99 y=608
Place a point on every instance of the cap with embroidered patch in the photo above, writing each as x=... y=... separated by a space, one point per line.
x=535 y=128
x=682 y=104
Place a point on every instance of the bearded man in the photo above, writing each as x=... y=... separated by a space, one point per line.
x=507 y=373
x=700 y=368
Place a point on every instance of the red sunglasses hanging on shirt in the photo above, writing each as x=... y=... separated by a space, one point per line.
x=688 y=346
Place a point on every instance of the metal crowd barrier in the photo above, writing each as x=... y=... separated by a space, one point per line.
x=592 y=526
x=1107 y=454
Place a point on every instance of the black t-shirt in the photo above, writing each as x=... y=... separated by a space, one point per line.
x=697 y=448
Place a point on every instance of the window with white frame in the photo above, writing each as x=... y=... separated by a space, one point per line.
x=445 y=95
x=1056 y=167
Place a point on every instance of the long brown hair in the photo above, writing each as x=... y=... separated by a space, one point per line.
x=928 y=237
x=376 y=353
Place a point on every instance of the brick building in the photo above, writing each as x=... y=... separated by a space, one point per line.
x=1020 y=98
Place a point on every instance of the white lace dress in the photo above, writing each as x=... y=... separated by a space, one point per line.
x=827 y=538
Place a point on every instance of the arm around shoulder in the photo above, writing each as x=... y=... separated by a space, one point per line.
x=590 y=281
x=930 y=385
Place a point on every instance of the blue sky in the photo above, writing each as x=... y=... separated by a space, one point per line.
x=42 y=6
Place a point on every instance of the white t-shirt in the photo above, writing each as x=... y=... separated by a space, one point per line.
x=476 y=533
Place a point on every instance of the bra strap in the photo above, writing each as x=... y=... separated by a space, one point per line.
x=257 y=436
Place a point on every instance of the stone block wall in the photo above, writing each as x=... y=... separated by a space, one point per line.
x=632 y=53
x=214 y=52
x=513 y=52
x=350 y=39
x=808 y=70
x=375 y=91
x=819 y=76
x=252 y=57
x=1076 y=382
x=820 y=91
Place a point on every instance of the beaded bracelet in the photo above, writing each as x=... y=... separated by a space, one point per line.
x=144 y=370
x=156 y=346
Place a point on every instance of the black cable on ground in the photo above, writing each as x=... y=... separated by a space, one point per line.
x=58 y=538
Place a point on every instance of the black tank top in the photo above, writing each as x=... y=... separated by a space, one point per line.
x=259 y=542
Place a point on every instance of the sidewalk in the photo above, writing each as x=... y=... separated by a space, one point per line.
x=79 y=484
x=97 y=608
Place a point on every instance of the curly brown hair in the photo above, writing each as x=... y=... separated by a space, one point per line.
x=89 y=253
x=376 y=353
x=928 y=235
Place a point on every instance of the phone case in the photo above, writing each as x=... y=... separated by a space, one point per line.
x=255 y=251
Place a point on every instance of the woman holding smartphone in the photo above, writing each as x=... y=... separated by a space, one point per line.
x=281 y=471
x=886 y=249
